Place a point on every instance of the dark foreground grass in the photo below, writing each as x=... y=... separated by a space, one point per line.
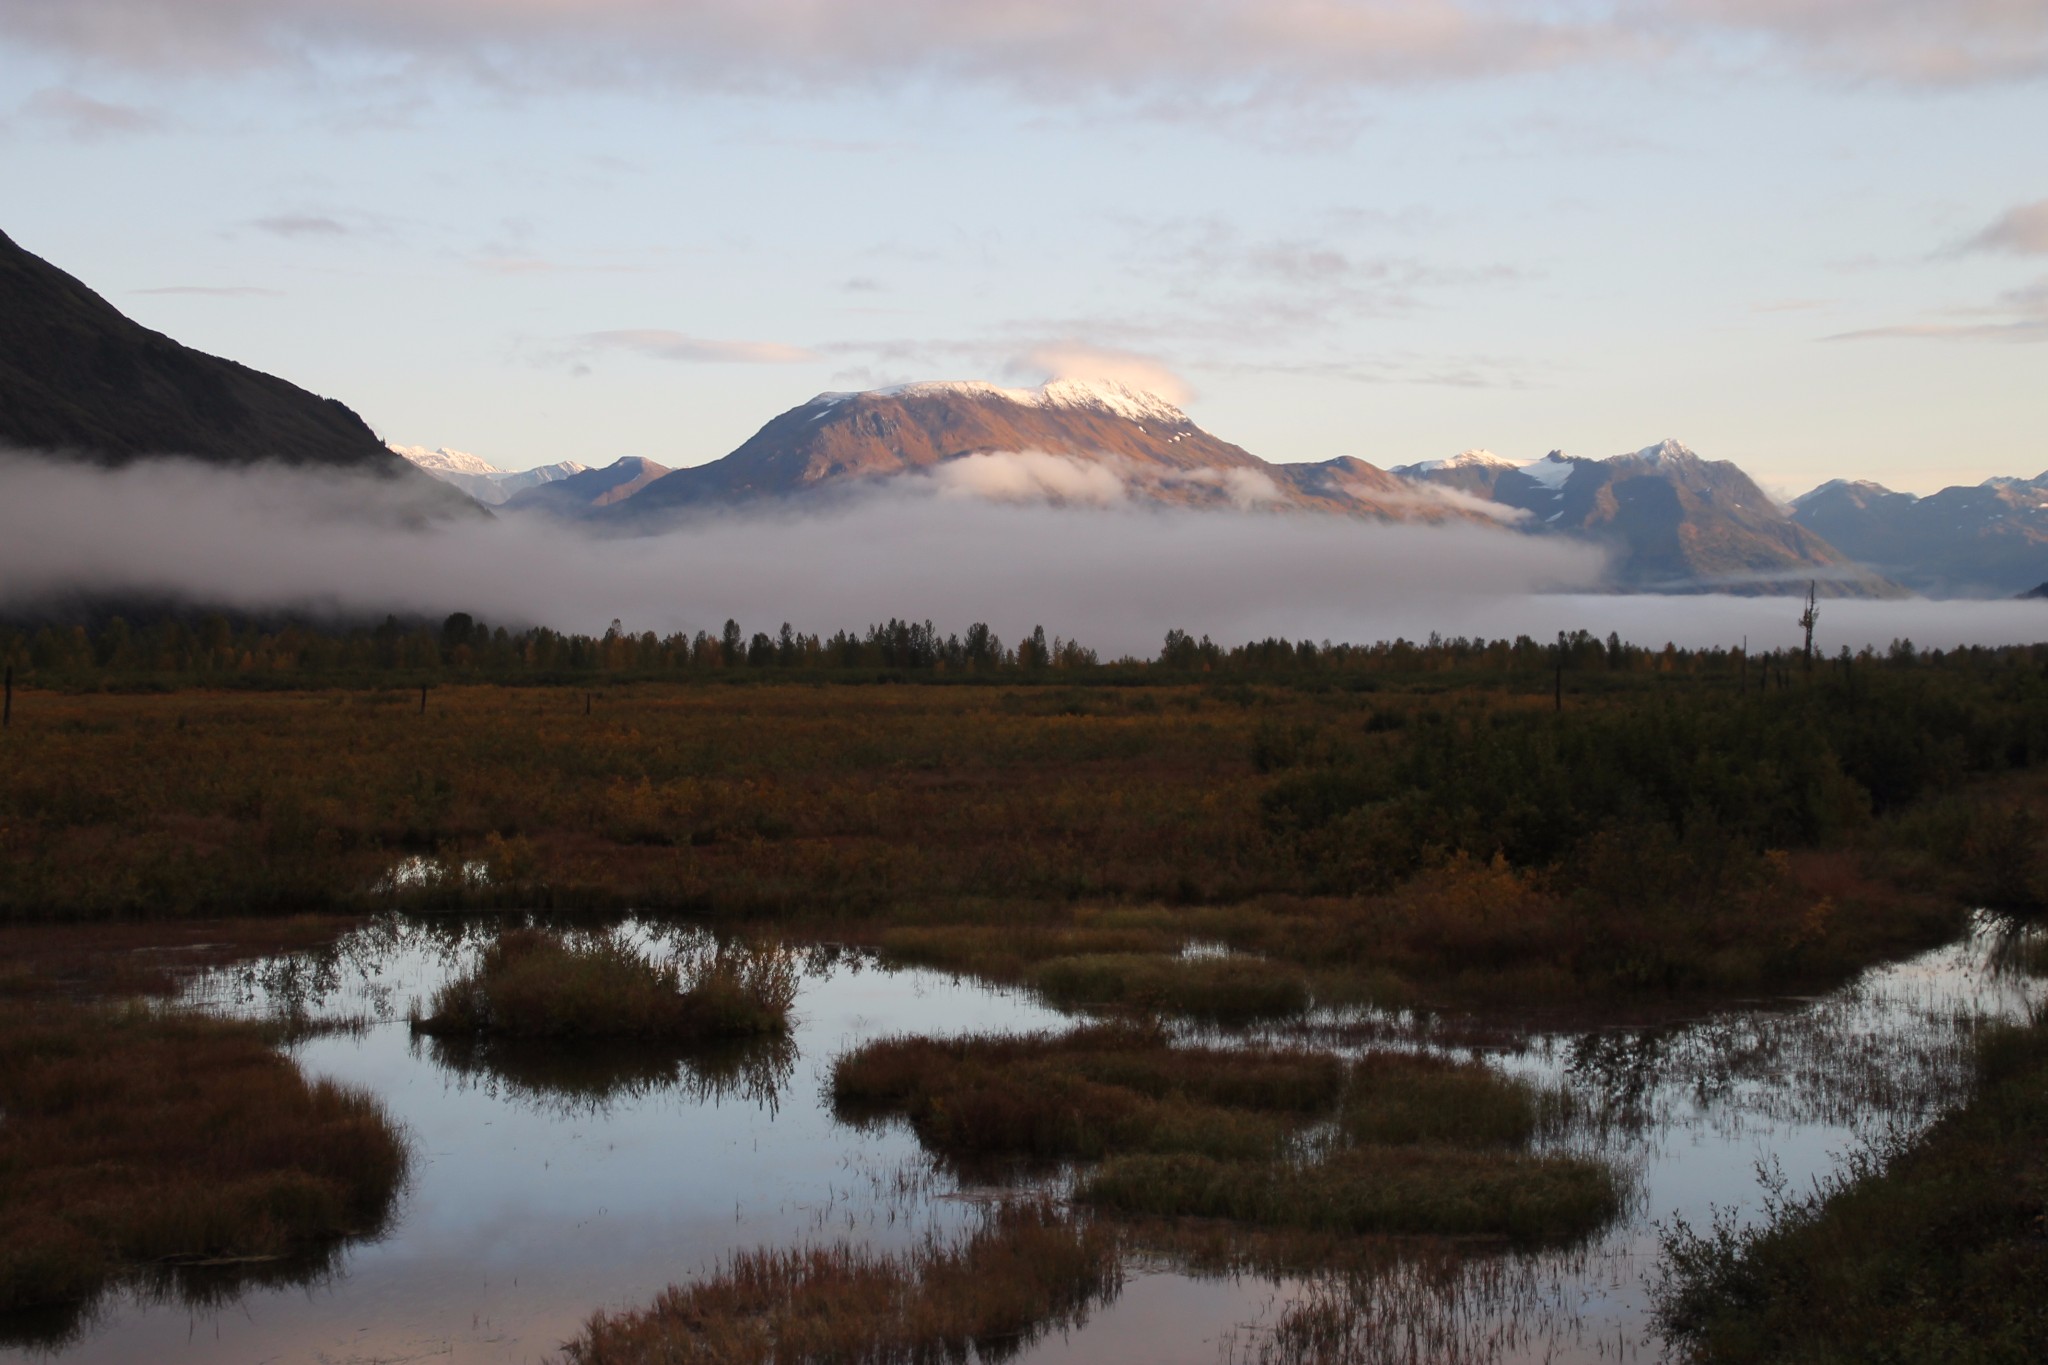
x=1372 y=1190
x=534 y=984
x=1028 y=1270
x=136 y=1139
x=1934 y=1251
x=1085 y=1094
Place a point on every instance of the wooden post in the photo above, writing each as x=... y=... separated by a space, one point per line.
x=586 y=703
x=1559 y=706
x=423 y=699
x=7 y=707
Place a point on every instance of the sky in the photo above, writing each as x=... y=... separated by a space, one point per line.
x=1809 y=236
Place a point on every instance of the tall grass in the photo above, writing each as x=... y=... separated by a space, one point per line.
x=531 y=983
x=137 y=1138
x=1926 y=1250
x=1026 y=1271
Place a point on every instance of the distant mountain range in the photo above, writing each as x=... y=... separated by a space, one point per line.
x=481 y=479
x=1990 y=539
x=1672 y=522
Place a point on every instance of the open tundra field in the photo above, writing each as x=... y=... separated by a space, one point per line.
x=1291 y=1014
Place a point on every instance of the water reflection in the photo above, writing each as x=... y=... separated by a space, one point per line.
x=569 y=1077
x=555 y=1180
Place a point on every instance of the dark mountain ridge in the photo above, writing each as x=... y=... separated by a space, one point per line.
x=80 y=380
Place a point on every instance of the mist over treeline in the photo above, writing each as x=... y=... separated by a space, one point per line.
x=216 y=649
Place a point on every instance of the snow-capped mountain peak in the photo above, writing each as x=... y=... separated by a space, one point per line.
x=446 y=461
x=1665 y=450
x=1464 y=459
x=480 y=478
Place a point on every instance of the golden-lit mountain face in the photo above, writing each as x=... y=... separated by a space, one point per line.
x=1067 y=443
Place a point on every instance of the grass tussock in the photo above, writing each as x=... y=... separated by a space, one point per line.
x=1085 y=1094
x=1027 y=1271
x=1924 y=1251
x=531 y=983
x=1372 y=1190
x=135 y=1138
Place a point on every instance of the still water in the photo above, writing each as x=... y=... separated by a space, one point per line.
x=543 y=1189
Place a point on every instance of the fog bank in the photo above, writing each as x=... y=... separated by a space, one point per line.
x=1116 y=578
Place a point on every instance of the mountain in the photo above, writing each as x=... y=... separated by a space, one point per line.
x=590 y=490
x=481 y=479
x=1069 y=441
x=1986 y=540
x=1674 y=521
x=80 y=380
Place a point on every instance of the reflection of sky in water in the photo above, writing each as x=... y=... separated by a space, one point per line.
x=528 y=1210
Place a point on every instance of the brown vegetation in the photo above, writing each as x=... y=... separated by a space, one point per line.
x=1028 y=1270
x=137 y=1139
x=531 y=983
x=1931 y=1250
x=1085 y=1094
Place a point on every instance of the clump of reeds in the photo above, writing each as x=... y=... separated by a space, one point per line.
x=533 y=984
x=1086 y=1093
x=1402 y=1099
x=134 y=1138
x=1446 y=1191
x=1027 y=1270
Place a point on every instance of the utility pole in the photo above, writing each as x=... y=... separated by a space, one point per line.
x=1807 y=619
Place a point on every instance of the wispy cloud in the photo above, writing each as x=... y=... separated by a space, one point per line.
x=2022 y=230
x=661 y=344
x=83 y=117
x=2017 y=315
x=301 y=225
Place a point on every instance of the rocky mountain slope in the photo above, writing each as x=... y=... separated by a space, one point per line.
x=1990 y=539
x=1674 y=521
x=590 y=490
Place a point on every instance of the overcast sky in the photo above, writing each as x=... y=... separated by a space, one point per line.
x=1810 y=236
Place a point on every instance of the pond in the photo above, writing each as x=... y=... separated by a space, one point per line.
x=544 y=1188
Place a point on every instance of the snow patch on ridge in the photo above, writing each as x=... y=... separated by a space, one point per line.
x=1552 y=470
x=1106 y=395
x=1464 y=459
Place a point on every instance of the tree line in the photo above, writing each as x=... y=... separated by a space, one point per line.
x=214 y=647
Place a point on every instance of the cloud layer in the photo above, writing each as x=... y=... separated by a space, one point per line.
x=1116 y=579
x=1131 y=46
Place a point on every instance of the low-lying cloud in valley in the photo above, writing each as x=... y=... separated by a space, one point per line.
x=1116 y=577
